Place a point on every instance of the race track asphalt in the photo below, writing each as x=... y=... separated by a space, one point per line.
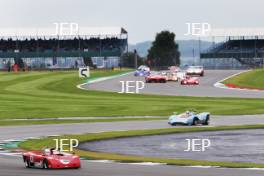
x=18 y=132
x=205 y=89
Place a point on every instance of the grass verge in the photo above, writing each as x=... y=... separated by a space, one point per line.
x=37 y=144
x=54 y=94
x=251 y=79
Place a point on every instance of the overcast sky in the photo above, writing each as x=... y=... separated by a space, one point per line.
x=141 y=18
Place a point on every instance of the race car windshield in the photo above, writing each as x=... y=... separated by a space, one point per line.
x=185 y=115
x=195 y=67
x=56 y=152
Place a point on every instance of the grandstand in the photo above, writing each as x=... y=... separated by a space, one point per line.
x=241 y=48
x=43 y=48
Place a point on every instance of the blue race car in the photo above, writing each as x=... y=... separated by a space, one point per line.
x=190 y=118
x=141 y=73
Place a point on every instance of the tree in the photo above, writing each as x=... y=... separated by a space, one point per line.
x=128 y=60
x=164 y=50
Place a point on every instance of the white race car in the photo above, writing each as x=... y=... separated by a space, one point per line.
x=195 y=70
x=170 y=76
x=189 y=118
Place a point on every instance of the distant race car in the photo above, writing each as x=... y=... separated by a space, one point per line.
x=51 y=159
x=143 y=67
x=142 y=71
x=170 y=76
x=156 y=78
x=195 y=70
x=187 y=80
x=190 y=118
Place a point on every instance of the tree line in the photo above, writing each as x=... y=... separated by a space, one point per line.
x=163 y=52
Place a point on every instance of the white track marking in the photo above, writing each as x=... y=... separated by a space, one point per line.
x=205 y=167
x=101 y=161
x=147 y=164
x=262 y=169
x=100 y=80
x=85 y=118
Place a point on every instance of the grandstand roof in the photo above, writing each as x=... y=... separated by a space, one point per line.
x=51 y=32
x=236 y=32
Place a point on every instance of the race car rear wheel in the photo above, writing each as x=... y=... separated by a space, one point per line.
x=207 y=120
x=195 y=122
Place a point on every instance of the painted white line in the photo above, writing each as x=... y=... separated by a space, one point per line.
x=262 y=169
x=141 y=163
x=147 y=164
x=85 y=118
x=159 y=164
x=13 y=140
x=100 y=80
x=205 y=167
x=11 y=154
x=101 y=161
x=28 y=138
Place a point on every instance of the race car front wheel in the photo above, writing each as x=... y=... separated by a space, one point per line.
x=195 y=122
x=27 y=163
x=45 y=164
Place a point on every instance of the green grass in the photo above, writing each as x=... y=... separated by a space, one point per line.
x=54 y=94
x=37 y=144
x=252 y=79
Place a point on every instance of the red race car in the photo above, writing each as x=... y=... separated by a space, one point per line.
x=51 y=159
x=156 y=78
x=190 y=81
